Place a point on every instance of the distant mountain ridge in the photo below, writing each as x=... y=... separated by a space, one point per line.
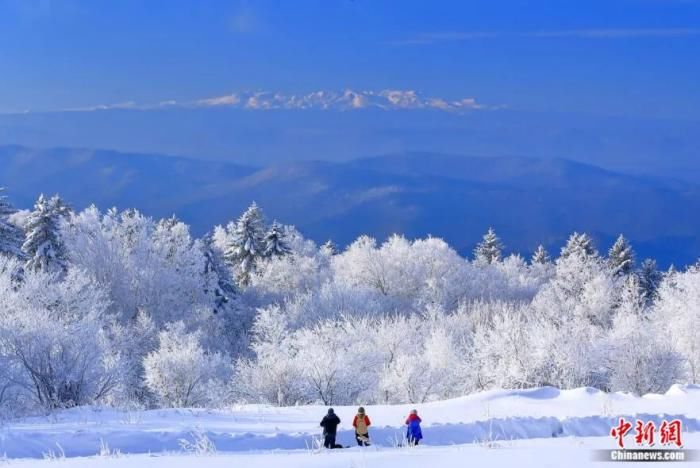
x=527 y=200
x=223 y=130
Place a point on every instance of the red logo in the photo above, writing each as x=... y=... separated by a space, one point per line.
x=620 y=431
x=671 y=433
x=645 y=432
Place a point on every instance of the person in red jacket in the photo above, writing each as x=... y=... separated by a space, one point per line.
x=361 y=424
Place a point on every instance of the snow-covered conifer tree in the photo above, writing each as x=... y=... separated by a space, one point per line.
x=649 y=279
x=246 y=244
x=11 y=236
x=43 y=245
x=223 y=289
x=274 y=242
x=489 y=249
x=621 y=257
x=540 y=257
x=579 y=244
x=329 y=248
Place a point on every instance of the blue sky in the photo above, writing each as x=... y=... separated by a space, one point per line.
x=613 y=57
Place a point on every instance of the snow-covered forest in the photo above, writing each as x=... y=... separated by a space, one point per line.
x=118 y=309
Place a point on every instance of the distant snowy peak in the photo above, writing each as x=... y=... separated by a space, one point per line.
x=388 y=99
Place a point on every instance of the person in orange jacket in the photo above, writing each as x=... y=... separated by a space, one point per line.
x=361 y=424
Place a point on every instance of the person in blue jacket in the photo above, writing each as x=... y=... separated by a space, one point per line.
x=413 y=431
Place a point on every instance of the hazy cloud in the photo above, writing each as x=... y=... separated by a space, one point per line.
x=612 y=33
x=620 y=33
x=244 y=21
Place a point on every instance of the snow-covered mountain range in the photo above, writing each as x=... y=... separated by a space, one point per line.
x=388 y=99
x=347 y=99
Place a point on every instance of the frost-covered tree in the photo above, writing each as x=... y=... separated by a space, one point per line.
x=405 y=276
x=147 y=266
x=329 y=248
x=678 y=309
x=541 y=269
x=631 y=300
x=288 y=276
x=52 y=335
x=217 y=278
x=489 y=250
x=327 y=364
x=274 y=242
x=11 y=236
x=246 y=243
x=43 y=245
x=180 y=372
x=579 y=244
x=639 y=360
x=502 y=352
x=132 y=341
x=274 y=375
x=540 y=256
x=649 y=279
x=146 y=315
x=573 y=311
x=582 y=286
x=621 y=257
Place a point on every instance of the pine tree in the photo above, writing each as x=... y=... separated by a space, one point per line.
x=223 y=289
x=540 y=257
x=329 y=248
x=621 y=257
x=275 y=244
x=489 y=249
x=649 y=279
x=246 y=244
x=43 y=246
x=579 y=244
x=11 y=236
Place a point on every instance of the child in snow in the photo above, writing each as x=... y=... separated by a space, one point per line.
x=361 y=424
x=329 y=423
x=413 y=431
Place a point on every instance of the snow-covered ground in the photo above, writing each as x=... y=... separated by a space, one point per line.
x=532 y=453
x=539 y=427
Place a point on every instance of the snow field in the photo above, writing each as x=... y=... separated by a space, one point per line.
x=499 y=417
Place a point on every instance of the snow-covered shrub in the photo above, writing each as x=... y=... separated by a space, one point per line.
x=273 y=375
x=678 y=310
x=502 y=349
x=406 y=276
x=52 y=339
x=180 y=372
x=145 y=265
x=280 y=277
x=200 y=445
x=131 y=341
x=638 y=360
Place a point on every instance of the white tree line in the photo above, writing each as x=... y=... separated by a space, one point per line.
x=119 y=309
